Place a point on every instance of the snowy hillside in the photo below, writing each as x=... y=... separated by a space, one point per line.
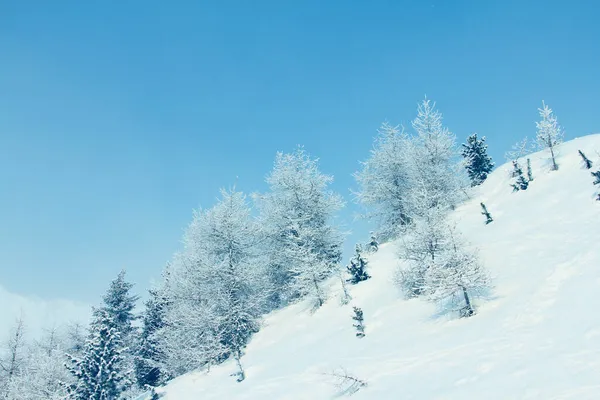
x=538 y=337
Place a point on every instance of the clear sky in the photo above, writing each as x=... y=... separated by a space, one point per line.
x=118 y=118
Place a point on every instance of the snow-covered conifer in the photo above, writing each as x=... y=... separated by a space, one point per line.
x=385 y=178
x=148 y=355
x=359 y=325
x=520 y=182
x=529 y=171
x=477 y=162
x=101 y=373
x=549 y=133
x=485 y=212
x=357 y=269
x=373 y=245
x=296 y=217
x=587 y=163
x=597 y=176
x=119 y=304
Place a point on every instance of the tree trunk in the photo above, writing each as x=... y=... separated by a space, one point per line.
x=468 y=308
x=554 y=165
x=241 y=373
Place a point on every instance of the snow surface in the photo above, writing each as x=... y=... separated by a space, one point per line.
x=537 y=337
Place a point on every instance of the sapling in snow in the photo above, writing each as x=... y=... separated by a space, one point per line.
x=485 y=212
x=597 y=176
x=358 y=268
x=373 y=243
x=359 y=325
x=529 y=171
x=597 y=181
x=520 y=183
x=549 y=133
x=587 y=163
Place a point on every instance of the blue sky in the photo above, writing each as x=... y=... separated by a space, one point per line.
x=117 y=120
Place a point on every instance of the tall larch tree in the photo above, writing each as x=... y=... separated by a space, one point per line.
x=296 y=215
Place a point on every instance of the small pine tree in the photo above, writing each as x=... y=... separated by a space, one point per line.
x=359 y=325
x=488 y=216
x=357 y=268
x=477 y=162
x=529 y=171
x=100 y=372
x=521 y=183
x=597 y=181
x=373 y=243
x=587 y=163
x=597 y=176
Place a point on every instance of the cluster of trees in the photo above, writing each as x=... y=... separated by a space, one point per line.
x=411 y=182
x=247 y=256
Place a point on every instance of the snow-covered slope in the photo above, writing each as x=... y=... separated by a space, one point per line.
x=538 y=337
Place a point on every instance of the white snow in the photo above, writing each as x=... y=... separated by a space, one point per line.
x=538 y=337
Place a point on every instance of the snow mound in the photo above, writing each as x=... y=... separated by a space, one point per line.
x=538 y=337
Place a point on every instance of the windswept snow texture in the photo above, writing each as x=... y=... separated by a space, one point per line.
x=537 y=337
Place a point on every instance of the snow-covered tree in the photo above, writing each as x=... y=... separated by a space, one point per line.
x=119 y=303
x=456 y=275
x=100 y=374
x=549 y=133
x=300 y=242
x=13 y=356
x=357 y=269
x=519 y=149
x=345 y=296
x=477 y=162
x=597 y=176
x=42 y=374
x=359 y=322
x=385 y=178
x=587 y=163
x=216 y=289
x=76 y=334
x=529 y=171
x=439 y=264
x=437 y=176
x=486 y=214
x=421 y=245
x=148 y=355
x=373 y=244
x=521 y=183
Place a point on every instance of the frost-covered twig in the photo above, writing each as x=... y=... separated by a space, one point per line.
x=346 y=383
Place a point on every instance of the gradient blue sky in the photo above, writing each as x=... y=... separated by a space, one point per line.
x=117 y=119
